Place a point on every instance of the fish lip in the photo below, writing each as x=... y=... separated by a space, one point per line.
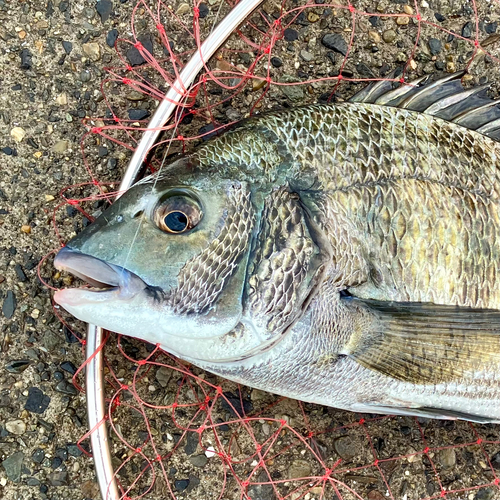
x=108 y=278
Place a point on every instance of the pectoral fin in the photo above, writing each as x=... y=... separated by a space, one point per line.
x=426 y=343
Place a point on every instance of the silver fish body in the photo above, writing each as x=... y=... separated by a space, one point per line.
x=339 y=254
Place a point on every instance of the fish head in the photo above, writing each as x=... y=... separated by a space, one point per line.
x=167 y=261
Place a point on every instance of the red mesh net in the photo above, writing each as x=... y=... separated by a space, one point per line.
x=177 y=432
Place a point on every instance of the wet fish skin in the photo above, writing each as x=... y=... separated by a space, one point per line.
x=362 y=271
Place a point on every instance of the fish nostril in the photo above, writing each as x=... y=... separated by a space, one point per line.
x=138 y=214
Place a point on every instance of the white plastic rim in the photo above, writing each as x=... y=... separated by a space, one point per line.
x=96 y=407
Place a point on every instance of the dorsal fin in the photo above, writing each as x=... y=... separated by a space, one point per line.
x=445 y=98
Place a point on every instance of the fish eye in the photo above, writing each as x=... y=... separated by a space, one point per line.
x=177 y=214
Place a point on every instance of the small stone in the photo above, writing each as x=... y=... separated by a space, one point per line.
x=62 y=99
x=67 y=388
x=138 y=114
x=290 y=35
x=307 y=56
x=26 y=61
x=198 y=460
x=491 y=28
x=38 y=456
x=402 y=20
x=22 y=34
x=13 y=466
x=345 y=447
x=104 y=9
x=85 y=76
x=92 y=50
x=312 y=17
x=203 y=9
x=60 y=146
x=374 y=36
x=181 y=484
x=335 y=42
x=299 y=469
x=16 y=427
x=375 y=495
x=134 y=56
x=17 y=366
x=266 y=491
x=102 y=151
x=276 y=62
x=439 y=17
x=58 y=478
x=210 y=452
x=447 y=458
x=485 y=494
x=37 y=401
x=389 y=36
x=163 y=375
x=408 y=10
x=9 y=305
x=26 y=229
x=435 y=46
x=183 y=8
x=111 y=37
x=74 y=451
x=293 y=92
x=18 y=134
x=67 y=46
x=468 y=30
x=69 y=367
x=450 y=67
x=257 y=84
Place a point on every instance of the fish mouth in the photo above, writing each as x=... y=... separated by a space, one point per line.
x=106 y=280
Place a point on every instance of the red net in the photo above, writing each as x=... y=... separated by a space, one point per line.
x=177 y=432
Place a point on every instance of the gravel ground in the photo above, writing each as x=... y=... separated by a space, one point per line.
x=51 y=64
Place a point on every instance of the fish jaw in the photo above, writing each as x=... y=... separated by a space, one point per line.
x=126 y=304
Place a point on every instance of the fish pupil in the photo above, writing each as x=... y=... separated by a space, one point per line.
x=176 y=221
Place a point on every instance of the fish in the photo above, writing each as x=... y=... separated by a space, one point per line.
x=344 y=254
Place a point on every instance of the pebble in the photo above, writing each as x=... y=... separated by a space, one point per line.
x=16 y=427
x=58 y=478
x=265 y=491
x=192 y=441
x=307 y=56
x=37 y=401
x=233 y=404
x=312 y=17
x=374 y=36
x=67 y=46
x=17 y=366
x=467 y=30
x=435 y=46
x=9 y=304
x=13 y=466
x=104 y=9
x=485 y=494
x=18 y=134
x=336 y=42
x=199 y=460
x=66 y=387
x=299 y=468
x=62 y=99
x=447 y=458
x=389 y=36
x=138 y=114
x=450 y=67
x=495 y=461
x=84 y=76
x=345 y=447
x=60 y=146
x=111 y=38
x=408 y=10
x=69 y=367
x=375 y=495
x=276 y=62
x=204 y=10
x=290 y=35
x=491 y=28
x=92 y=50
x=26 y=229
x=26 y=57
x=38 y=456
x=402 y=20
x=133 y=55
x=181 y=484
x=183 y=8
